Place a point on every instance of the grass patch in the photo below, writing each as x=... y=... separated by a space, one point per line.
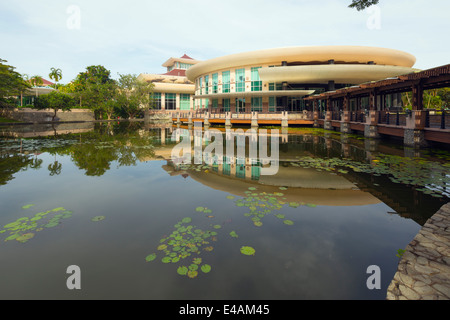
x=6 y=120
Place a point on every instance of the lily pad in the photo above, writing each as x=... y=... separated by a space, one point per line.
x=182 y=270
x=199 y=209
x=258 y=223
x=166 y=259
x=28 y=206
x=251 y=188
x=288 y=222
x=186 y=220
x=217 y=226
x=150 y=257
x=192 y=274
x=311 y=205
x=162 y=247
x=25 y=237
x=234 y=234
x=193 y=267
x=98 y=218
x=249 y=251
x=230 y=197
x=205 y=268
x=197 y=260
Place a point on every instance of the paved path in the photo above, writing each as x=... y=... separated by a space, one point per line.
x=424 y=271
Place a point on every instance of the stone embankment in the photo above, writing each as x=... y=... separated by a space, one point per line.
x=424 y=271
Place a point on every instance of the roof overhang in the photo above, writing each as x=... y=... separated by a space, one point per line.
x=339 y=73
x=173 y=88
x=249 y=94
x=171 y=61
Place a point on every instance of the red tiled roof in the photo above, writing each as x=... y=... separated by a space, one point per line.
x=185 y=56
x=45 y=82
x=176 y=72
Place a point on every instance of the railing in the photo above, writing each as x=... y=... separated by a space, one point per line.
x=358 y=116
x=396 y=118
x=439 y=120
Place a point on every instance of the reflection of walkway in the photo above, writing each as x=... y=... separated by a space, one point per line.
x=326 y=197
x=424 y=270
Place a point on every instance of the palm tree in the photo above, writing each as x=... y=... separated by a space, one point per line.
x=36 y=81
x=55 y=74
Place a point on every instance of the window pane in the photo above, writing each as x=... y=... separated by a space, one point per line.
x=240 y=80
x=226 y=81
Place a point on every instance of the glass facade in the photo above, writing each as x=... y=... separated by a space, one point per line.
x=215 y=83
x=240 y=80
x=171 y=101
x=156 y=100
x=226 y=81
x=256 y=104
x=226 y=105
x=256 y=81
x=240 y=104
x=185 y=101
x=206 y=84
x=215 y=103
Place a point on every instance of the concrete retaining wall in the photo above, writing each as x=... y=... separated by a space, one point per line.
x=424 y=271
x=37 y=116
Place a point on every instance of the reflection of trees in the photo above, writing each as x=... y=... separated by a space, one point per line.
x=11 y=164
x=93 y=151
x=110 y=142
x=55 y=168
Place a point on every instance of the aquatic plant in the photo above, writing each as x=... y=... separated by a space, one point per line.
x=25 y=228
x=186 y=240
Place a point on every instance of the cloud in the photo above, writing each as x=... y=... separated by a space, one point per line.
x=138 y=36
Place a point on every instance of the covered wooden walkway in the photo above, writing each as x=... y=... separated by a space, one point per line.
x=370 y=108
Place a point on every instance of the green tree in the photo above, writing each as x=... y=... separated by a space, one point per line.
x=94 y=87
x=55 y=100
x=12 y=83
x=36 y=81
x=133 y=95
x=55 y=74
x=362 y=4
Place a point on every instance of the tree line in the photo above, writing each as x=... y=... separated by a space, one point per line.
x=92 y=89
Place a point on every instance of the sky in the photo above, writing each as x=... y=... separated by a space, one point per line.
x=138 y=36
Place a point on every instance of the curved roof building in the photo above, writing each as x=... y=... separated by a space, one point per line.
x=267 y=80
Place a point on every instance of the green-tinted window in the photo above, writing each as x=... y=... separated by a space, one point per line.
x=206 y=84
x=240 y=104
x=215 y=82
x=240 y=80
x=226 y=81
x=275 y=86
x=226 y=105
x=215 y=103
x=200 y=84
x=272 y=104
x=171 y=101
x=256 y=104
x=185 y=101
x=156 y=96
x=256 y=81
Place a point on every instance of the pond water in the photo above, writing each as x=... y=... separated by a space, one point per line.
x=108 y=198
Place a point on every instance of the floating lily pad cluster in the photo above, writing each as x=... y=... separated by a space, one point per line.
x=25 y=228
x=186 y=241
x=431 y=177
x=195 y=167
x=262 y=204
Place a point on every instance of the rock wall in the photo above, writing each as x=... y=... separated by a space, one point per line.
x=423 y=272
x=39 y=116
